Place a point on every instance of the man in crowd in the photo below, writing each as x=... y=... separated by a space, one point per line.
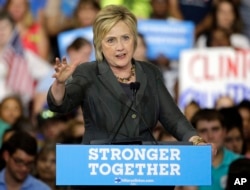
x=19 y=154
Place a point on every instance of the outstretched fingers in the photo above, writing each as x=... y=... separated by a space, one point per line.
x=64 y=61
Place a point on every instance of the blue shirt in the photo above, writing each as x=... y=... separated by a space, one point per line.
x=30 y=183
x=219 y=173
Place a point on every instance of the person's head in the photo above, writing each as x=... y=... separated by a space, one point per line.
x=209 y=124
x=141 y=49
x=159 y=9
x=218 y=37
x=46 y=162
x=20 y=11
x=7 y=25
x=224 y=101
x=86 y=11
x=234 y=139
x=25 y=124
x=21 y=124
x=11 y=108
x=226 y=15
x=52 y=125
x=190 y=109
x=239 y=168
x=79 y=49
x=115 y=34
x=19 y=154
x=244 y=110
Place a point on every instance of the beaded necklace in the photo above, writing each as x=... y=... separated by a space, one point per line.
x=127 y=79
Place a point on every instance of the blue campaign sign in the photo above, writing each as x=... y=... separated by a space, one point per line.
x=68 y=7
x=166 y=37
x=123 y=165
x=64 y=39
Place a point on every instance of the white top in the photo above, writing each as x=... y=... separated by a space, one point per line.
x=237 y=41
x=38 y=68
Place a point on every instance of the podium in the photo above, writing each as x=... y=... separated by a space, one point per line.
x=133 y=165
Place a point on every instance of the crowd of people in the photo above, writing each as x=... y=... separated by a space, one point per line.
x=29 y=129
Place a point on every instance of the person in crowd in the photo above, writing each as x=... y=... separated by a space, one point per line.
x=224 y=101
x=32 y=33
x=225 y=15
x=79 y=49
x=83 y=16
x=20 y=68
x=21 y=124
x=141 y=49
x=238 y=169
x=19 y=154
x=102 y=87
x=160 y=9
x=244 y=110
x=209 y=124
x=52 y=126
x=190 y=109
x=11 y=109
x=218 y=37
x=197 y=12
x=234 y=139
x=45 y=166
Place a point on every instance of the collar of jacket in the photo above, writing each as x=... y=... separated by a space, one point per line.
x=107 y=77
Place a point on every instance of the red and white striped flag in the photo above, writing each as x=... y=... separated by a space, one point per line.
x=19 y=78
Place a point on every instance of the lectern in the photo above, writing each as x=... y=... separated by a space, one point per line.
x=132 y=165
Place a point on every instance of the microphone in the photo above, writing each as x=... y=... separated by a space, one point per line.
x=134 y=86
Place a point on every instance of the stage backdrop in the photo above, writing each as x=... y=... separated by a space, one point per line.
x=206 y=74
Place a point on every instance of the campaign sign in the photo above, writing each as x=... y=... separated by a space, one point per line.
x=166 y=37
x=142 y=165
x=209 y=73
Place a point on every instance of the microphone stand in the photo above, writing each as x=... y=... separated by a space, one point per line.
x=134 y=86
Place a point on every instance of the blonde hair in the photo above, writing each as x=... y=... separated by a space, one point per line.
x=106 y=19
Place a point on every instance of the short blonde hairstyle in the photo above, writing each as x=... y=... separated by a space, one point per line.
x=106 y=19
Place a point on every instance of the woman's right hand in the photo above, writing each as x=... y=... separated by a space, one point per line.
x=63 y=70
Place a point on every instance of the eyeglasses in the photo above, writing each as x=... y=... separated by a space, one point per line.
x=19 y=162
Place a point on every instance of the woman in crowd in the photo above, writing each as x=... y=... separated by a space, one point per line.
x=225 y=15
x=32 y=33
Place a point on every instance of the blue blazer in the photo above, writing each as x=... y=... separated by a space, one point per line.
x=104 y=102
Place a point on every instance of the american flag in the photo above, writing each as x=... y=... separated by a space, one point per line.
x=19 y=78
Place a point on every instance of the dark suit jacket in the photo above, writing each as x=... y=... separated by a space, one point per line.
x=104 y=103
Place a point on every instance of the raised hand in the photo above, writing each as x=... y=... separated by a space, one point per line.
x=63 y=70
